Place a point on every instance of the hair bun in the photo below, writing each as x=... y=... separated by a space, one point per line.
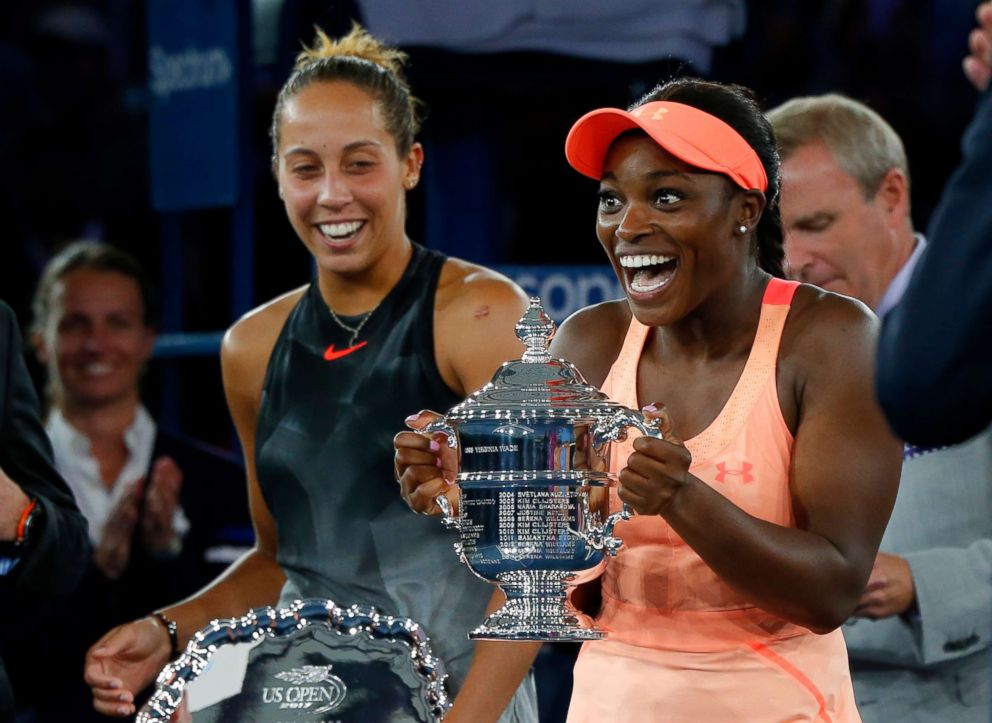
x=356 y=44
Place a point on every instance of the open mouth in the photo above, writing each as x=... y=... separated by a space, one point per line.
x=97 y=369
x=341 y=232
x=648 y=272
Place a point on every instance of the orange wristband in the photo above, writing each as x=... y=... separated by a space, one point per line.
x=22 y=523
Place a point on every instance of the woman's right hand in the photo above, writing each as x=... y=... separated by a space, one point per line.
x=425 y=466
x=123 y=662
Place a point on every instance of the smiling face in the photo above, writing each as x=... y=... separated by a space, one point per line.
x=835 y=237
x=669 y=229
x=95 y=340
x=341 y=177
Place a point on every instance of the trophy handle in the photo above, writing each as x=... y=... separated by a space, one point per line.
x=448 y=518
x=614 y=429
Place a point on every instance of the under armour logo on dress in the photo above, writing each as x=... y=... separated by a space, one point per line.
x=331 y=354
x=744 y=472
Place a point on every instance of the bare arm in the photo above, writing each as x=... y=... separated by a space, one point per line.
x=128 y=657
x=592 y=337
x=475 y=315
x=496 y=671
x=845 y=472
x=255 y=579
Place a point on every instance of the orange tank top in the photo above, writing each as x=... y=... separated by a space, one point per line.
x=684 y=647
x=657 y=592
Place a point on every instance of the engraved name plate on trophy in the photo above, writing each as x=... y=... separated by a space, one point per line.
x=311 y=662
x=533 y=448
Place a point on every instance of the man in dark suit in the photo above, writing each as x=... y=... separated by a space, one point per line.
x=934 y=374
x=43 y=543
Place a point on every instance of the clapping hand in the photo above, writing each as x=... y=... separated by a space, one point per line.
x=158 y=532
x=113 y=552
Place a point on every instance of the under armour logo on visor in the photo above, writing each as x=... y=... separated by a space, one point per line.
x=744 y=472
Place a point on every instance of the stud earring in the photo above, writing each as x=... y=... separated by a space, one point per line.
x=742 y=229
x=410 y=182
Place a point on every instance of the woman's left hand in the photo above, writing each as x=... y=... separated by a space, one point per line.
x=657 y=469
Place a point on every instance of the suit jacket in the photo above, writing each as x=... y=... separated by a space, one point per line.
x=214 y=499
x=935 y=665
x=934 y=378
x=47 y=574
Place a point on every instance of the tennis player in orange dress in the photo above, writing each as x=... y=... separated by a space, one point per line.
x=754 y=537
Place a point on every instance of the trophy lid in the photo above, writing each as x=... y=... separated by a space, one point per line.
x=536 y=384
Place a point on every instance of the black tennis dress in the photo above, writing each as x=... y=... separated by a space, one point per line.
x=324 y=456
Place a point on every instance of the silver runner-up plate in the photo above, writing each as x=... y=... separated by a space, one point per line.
x=310 y=662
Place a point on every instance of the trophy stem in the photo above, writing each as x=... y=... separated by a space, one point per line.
x=537 y=608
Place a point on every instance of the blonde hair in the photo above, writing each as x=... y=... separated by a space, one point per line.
x=864 y=145
x=358 y=43
x=366 y=62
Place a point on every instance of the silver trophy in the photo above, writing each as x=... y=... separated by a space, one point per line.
x=533 y=449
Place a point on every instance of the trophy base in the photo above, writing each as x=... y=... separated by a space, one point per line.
x=537 y=608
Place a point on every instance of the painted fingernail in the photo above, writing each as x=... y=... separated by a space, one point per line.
x=650 y=408
x=123 y=709
x=411 y=418
x=124 y=698
x=435 y=446
x=440 y=464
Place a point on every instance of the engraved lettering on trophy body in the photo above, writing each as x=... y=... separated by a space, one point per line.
x=533 y=448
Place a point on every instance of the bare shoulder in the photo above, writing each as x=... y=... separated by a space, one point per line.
x=467 y=288
x=827 y=333
x=475 y=315
x=248 y=344
x=821 y=319
x=592 y=337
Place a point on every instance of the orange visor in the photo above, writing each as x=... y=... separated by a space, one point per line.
x=692 y=135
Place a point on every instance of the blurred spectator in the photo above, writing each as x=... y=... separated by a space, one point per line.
x=919 y=636
x=627 y=31
x=165 y=514
x=934 y=382
x=43 y=546
x=845 y=197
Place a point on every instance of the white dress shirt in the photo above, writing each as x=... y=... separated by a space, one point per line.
x=75 y=461
x=897 y=287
